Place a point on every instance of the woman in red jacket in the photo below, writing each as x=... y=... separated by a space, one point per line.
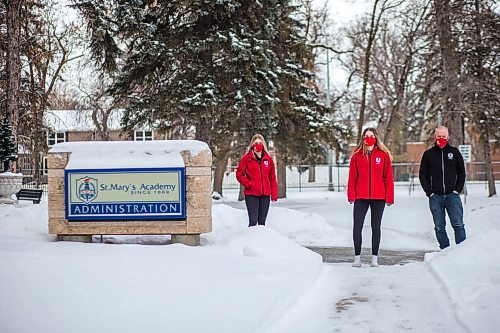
x=370 y=184
x=257 y=174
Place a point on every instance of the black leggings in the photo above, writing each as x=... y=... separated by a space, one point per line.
x=257 y=208
x=360 y=209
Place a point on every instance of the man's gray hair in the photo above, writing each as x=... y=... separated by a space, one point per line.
x=440 y=128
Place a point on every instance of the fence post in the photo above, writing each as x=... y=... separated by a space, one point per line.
x=300 y=179
x=412 y=183
x=330 y=169
x=338 y=177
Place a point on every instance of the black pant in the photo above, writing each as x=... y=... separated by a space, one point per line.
x=257 y=207
x=360 y=209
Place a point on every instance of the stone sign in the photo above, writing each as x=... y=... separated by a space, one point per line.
x=130 y=188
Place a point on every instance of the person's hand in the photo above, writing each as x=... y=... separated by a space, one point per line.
x=351 y=202
x=274 y=199
x=388 y=204
x=455 y=192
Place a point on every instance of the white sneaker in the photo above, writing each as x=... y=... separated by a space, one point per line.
x=374 y=262
x=357 y=261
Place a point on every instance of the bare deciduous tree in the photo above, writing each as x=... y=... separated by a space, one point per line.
x=13 y=64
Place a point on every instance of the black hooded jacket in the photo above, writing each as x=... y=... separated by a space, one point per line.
x=442 y=171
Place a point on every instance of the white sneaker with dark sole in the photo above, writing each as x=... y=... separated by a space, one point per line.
x=357 y=262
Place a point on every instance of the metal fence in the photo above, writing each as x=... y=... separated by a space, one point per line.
x=324 y=177
x=335 y=176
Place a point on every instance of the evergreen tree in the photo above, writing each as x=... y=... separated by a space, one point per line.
x=7 y=143
x=207 y=65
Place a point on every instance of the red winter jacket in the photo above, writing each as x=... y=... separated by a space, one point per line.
x=258 y=178
x=370 y=177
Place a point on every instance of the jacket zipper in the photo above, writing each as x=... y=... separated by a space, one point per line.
x=442 y=165
x=370 y=173
x=261 y=176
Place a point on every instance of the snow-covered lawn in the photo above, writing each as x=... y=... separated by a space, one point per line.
x=254 y=280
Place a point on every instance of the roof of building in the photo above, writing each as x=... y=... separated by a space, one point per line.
x=79 y=120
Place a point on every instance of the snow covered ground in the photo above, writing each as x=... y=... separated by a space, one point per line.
x=254 y=280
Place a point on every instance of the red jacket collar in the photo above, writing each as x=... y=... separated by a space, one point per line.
x=375 y=149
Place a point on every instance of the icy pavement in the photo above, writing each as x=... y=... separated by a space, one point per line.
x=386 y=257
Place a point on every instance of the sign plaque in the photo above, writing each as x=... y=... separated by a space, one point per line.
x=125 y=194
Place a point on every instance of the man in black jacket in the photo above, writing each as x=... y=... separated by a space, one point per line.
x=442 y=176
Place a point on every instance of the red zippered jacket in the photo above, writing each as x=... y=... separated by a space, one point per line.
x=258 y=178
x=370 y=177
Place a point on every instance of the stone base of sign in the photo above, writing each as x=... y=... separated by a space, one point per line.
x=198 y=205
x=191 y=240
x=75 y=238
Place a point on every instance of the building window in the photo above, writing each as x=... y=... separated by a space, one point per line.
x=143 y=135
x=53 y=138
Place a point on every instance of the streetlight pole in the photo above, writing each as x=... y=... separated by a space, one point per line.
x=328 y=105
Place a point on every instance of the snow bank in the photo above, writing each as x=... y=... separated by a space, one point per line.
x=28 y=222
x=263 y=242
x=470 y=272
x=301 y=227
x=244 y=284
x=304 y=228
x=226 y=221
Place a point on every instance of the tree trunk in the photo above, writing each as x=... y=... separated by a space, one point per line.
x=371 y=37
x=478 y=98
x=203 y=132
x=281 y=171
x=402 y=82
x=13 y=66
x=38 y=138
x=488 y=167
x=241 y=195
x=451 y=70
x=312 y=174
x=400 y=90
x=221 y=158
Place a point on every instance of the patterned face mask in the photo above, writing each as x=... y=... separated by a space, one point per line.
x=369 y=141
x=258 y=147
x=441 y=142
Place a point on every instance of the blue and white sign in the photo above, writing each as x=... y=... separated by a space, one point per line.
x=125 y=194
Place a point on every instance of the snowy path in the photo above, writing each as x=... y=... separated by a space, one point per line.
x=385 y=299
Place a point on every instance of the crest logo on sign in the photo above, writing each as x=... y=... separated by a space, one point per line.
x=450 y=156
x=377 y=160
x=86 y=189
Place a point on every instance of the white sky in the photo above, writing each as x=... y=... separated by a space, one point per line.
x=341 y=13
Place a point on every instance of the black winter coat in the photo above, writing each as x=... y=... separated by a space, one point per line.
x=442 y=171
